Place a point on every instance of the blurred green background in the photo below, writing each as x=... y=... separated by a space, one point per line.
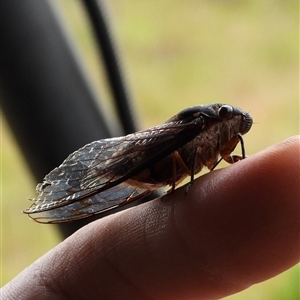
x=177 y=54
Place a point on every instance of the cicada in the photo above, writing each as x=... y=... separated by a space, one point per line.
x=109 y=173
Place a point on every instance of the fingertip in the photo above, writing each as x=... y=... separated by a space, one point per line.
x=244 y=219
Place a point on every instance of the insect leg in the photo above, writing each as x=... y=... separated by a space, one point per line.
x=242 y=145
x=229 y=147
x=192 y=171
x=174 y=172
x=216 y=164
x=178 y=161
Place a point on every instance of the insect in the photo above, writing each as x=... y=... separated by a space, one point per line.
x=112 y=172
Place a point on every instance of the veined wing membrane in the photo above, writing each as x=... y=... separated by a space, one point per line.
x=118 y=195
x=92 y=179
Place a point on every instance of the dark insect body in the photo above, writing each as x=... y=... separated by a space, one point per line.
x=112 y=172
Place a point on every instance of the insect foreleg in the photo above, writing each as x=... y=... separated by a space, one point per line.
x=229 y=147
x=242 y=145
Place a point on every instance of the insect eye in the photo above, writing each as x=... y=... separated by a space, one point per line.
x=225 y=111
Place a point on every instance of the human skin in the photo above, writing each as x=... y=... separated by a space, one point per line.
x=235 y=227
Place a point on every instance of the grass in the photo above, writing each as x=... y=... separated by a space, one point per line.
x=177 y=54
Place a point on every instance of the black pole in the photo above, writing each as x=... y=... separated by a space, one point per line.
x=47 y=100
x=98 y=18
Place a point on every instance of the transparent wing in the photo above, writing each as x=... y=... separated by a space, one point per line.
x=90 y=205
x=93 y=179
